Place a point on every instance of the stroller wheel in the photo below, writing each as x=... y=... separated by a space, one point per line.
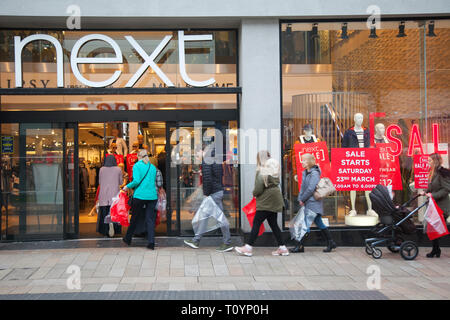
x=409 y=250
x=377 y=253
x=369 y=250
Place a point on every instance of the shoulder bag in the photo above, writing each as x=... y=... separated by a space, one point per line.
x=324 y=188
x=130 y=200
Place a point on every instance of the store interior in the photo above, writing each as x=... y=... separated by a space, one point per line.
x=94 y=140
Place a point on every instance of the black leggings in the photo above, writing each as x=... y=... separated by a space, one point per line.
x=271 y=217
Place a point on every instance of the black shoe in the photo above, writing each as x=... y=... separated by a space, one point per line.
x=435 y=252
x=330 y=242
x=151 y=246
x=299 y=247
x=126 y=241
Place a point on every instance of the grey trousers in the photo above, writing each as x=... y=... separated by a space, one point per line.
x=218 y=197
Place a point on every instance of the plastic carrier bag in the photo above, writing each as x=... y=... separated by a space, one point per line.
x=208 y=217
x=250 y=211
x=161 y=204
x=193 y=202
x=119 y=209
x=301 y=223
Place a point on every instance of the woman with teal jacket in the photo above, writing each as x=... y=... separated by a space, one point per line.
x=146 y=179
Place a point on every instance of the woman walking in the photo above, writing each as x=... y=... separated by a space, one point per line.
x=269 y=202
x=110 y=179
x=310 y=179
x=438 y=188
x=145 y=182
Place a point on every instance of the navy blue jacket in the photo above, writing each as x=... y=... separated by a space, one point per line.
x=350 y=139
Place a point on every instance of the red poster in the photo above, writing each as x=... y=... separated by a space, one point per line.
x=355 y=168
x=119 y=158
x=390 y=174
x=320 y=151
x=421 y=168
x=131 y=160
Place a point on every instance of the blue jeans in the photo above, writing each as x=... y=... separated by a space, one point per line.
x=319 y=223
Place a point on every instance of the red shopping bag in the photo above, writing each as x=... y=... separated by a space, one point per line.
x=119 y=209
x=250 y=210
x=436 y=226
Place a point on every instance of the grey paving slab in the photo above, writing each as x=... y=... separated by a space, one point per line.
x=113 y=294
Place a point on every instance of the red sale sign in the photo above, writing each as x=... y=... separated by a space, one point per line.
x=320 y=151
x=131 y=160
x=390 y=174
x=355 y=168
x=421 y=168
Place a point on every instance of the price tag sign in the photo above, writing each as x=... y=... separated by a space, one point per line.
x=320 y=152
x=390 y=174
x=421 y=168
x=355 y=168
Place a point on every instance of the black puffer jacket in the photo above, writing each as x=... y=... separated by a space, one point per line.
x=212 y=175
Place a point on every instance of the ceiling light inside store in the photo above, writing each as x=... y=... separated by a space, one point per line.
x=344 y=31
x=315 y=31
x=401 y=30
x=431 y=29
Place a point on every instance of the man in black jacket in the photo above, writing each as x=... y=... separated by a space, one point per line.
x=212 y=175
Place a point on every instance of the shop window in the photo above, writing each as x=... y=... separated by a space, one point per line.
x=396 y=83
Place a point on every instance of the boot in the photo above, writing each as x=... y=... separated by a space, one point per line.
x=436 y=250
x=299 y=247
x=330 y=242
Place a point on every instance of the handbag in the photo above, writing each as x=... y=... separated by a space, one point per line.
x=324 y=188
x=130 y=200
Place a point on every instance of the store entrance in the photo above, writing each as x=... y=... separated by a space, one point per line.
x=124 y=140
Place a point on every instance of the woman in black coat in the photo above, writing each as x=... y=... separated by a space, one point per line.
x=438 y=188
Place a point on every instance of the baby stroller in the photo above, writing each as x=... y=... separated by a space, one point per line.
x=394 y=222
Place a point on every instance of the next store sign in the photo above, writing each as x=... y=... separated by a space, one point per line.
x=149 y=60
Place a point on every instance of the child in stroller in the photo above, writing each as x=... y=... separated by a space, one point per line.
x=395 y=221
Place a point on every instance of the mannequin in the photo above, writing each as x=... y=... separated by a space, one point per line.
x=306 y=137
x=142 y=146
x=358 y=137
x=121 y=144
x=379 y=134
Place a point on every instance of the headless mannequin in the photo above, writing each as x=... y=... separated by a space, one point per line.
x=379 y=134
x=358 y=118
x=306 y=137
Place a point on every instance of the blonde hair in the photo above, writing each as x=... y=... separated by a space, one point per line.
x=309 y=159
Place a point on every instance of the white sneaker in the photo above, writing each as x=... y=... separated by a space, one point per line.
x=352 y=213
x=280 y=252
x=111 y=230
x=243 y=251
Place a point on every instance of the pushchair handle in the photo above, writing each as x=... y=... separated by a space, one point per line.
x=411 y=200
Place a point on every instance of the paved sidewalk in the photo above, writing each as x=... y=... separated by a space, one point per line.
x=137 y=269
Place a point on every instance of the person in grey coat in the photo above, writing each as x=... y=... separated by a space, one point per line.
x=310 y=179
x=110 y=179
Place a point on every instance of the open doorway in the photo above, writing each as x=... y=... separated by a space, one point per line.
x=124 y=139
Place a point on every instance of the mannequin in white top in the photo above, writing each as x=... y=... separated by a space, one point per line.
x=121 y=144
x=379 y=134
x=358 y=118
